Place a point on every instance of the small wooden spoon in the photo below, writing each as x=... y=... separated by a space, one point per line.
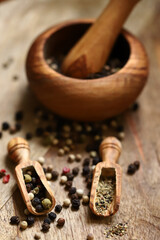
x=18 y=150
x=93 y=49
x=110 y=150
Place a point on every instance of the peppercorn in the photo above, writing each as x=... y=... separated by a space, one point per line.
x=63 y=179
x=65 y=170
x=131 y=169
x=136 y=164
x=39 y=132
x=45 y=227
x=55 y=175
x=5 y=126
x=79 y=192
x=2 y=173
x=46 y=203
x=37 y=236
x=41 y=160
x=72 y=190
x=121 y=135
x=135 y=106
x=18 y=126
x=90 y=236
x=75 y=171
x=60 y=222
x=1 y=135
x=34 y=180
x=75 y=203
x=52 y=216
x=66 y=202
x=58 y=208
x=29 y=187
x=68 y=184
x=86 y=162
x=70 y=176
x=30 y=220
x=19 y=116
x=23 y=225
x=47 y=220
x=30 y=195
x=86 y=170
x=50 y=168
x=44 y=170
x=27 y=178
x=39 y=208
x=14 y=220
x=49 y=129
x=35 y=190
x=26 y=212
x=61 y=152
x=71 y=158
x=29 y=136
x=85 y=199
x=36 y=201
x=95 y=160
x=93 y=154
x=89 y=183
x=78 y=157
x=12 y=130
x=49 y=176
x=74 y=196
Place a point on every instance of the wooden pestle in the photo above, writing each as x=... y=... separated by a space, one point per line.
x=110 y=150
x=18 y=150
x=93 y=49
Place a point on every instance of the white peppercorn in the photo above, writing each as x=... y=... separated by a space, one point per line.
x=93 y=154
x=71 y=158
x=69 y=142
x=121 y=135
x=78 y=157
x=30 y=195
x=63 y=179
x=66 y=202
x=90 y=236
x=41 y=160
x=50 y=168
x=37 y=236
x=55 y=141
x=93 y=167
x=23 y=225
x=49 y=176
x=85 y=199
x=113 y=123
x=66 y=128
x=79 y=192
x=66 y=149
x=61 y=152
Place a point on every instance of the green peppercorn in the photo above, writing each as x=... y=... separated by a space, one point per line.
x=27 y=178
x=46 y=203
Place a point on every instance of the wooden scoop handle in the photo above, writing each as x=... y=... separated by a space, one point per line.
x=93 y=49
x=110 y=149
x=18 y=149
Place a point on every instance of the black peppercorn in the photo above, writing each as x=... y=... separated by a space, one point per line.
x=58 y=208
x=70 y=176
x=34 y=180
x=55 y=175
x=47 y=220
x=120 y=128
x=29 y=187
x=39 y=132
x=75 y=203
x=74 y=196
x=68 y=184
x=45 y=170
x=18 y=126
x=52 y=216
x=14 y=220
x=95 y=160
x=131 y=169
x=136 y=164
x=36 y=201
x=45 y=227
x=72 y=190
x=86 y=170
x=75 y=171
x=30 y=220
x=5 y=126
x=39 y=208
x=1 y=135
x=29 y=136
x=86 y=162
x=19 y=116
x=135 y=106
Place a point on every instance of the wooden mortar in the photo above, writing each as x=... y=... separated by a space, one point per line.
x=82 y=99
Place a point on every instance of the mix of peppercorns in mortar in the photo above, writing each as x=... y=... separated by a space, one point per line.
x=64 y=135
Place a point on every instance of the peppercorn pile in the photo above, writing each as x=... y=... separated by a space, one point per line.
x=36 y=190
x=116 y=231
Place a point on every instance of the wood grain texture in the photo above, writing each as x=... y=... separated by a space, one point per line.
x=89 y=100
x=140 y=202
x=92 y=51
x=110 y=150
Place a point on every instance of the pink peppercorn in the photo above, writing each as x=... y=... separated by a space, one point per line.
x=3 y=171
x=66 y=170
x=6 y=178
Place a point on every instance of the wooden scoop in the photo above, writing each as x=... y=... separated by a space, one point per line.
x=92 y=51
x=18 y=150
x=110 y=150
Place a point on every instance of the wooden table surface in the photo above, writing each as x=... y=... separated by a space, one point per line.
x=20 y=22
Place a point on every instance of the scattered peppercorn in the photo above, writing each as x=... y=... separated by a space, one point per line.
x=79 y=192
x=45 y=227
x=70 y=176
x=90 y=236
x=58 y=208
x=14 y=220
x=55 y=175
x=135 y=106
x=5 y=126
x=30 y=220
x=18 y=126
x=37 y=236
x=6 y=178
x=68 y=184
x=75 y=203
x=131 y=169
x=75 y=171
x=29 y=136
x=136 y=164
x=95 y=160
x=66 y=202
x=27 y=178
x=60 y=222
x=72 y=190
x=2 y=173
x=86 y=162
x=19 y=116
x=86 y=170
x=1 y=135
x=65 y=170
x=74 y=196
x=63 y=179
x=52 y=216
x=23 y=225
x=47 y=220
